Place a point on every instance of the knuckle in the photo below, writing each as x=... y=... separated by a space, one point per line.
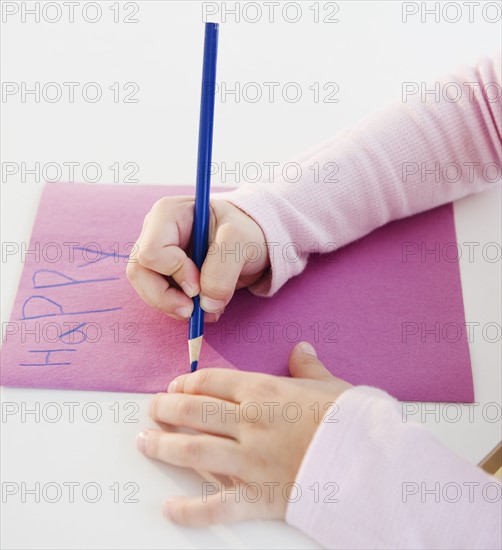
x=176 y=260
x=215 y=286
x=157 y=304
x=240 y=466
x=131 y=271
x=256 y=461
x=256 y=419
x=235 y=235
x=152 y=447
x=154 y=406
x=162 y=204
x=171 y=257
x=261 y=463
x=181 y=513
x=148 y=255
x=265 y=389
x=191 y=450
x=200 y=381
x=185 y=409
x=238 y=234
x=311 y=362
x=181 y=383
x=215 y=512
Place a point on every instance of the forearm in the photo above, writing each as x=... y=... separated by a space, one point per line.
x=409 y=158
x=383 y=483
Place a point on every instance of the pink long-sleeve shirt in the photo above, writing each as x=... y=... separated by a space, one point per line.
x=370 y=480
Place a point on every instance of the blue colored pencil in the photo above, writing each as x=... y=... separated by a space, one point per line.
x=200 y=232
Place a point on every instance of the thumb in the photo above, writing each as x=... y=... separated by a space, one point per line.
x=221 y=269
x=303 y=363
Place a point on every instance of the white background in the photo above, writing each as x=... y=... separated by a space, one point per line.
x=370 y=52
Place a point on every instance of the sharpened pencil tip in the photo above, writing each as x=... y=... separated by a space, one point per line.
x=194 y=346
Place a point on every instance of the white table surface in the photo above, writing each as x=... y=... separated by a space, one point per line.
x=370 y=52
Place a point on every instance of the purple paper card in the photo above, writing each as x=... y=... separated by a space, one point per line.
x=383 y=311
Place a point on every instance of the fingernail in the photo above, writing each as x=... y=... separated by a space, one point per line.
x=141 y=441
x=218 y=315
x=210 y=305
x=188 y=289
x=305 y=347
x=184 y=312
x=172 y=386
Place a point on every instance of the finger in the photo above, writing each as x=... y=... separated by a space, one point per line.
x=226 y=384
x=221 y=268
x=154 y=289
x=303 y=363
x=209 y=510
x=159 y=250
x=213 y=317
x=202 y=452
x=198 y=412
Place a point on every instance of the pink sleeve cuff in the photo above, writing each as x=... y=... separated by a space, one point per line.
x=386 y=167
x=286 y=257
x=371 y=480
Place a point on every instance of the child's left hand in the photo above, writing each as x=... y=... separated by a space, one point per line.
x=254 y=428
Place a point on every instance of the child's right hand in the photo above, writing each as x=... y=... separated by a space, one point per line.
x=237 y=257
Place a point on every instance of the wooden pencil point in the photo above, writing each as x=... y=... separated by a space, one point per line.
x=194 y=347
